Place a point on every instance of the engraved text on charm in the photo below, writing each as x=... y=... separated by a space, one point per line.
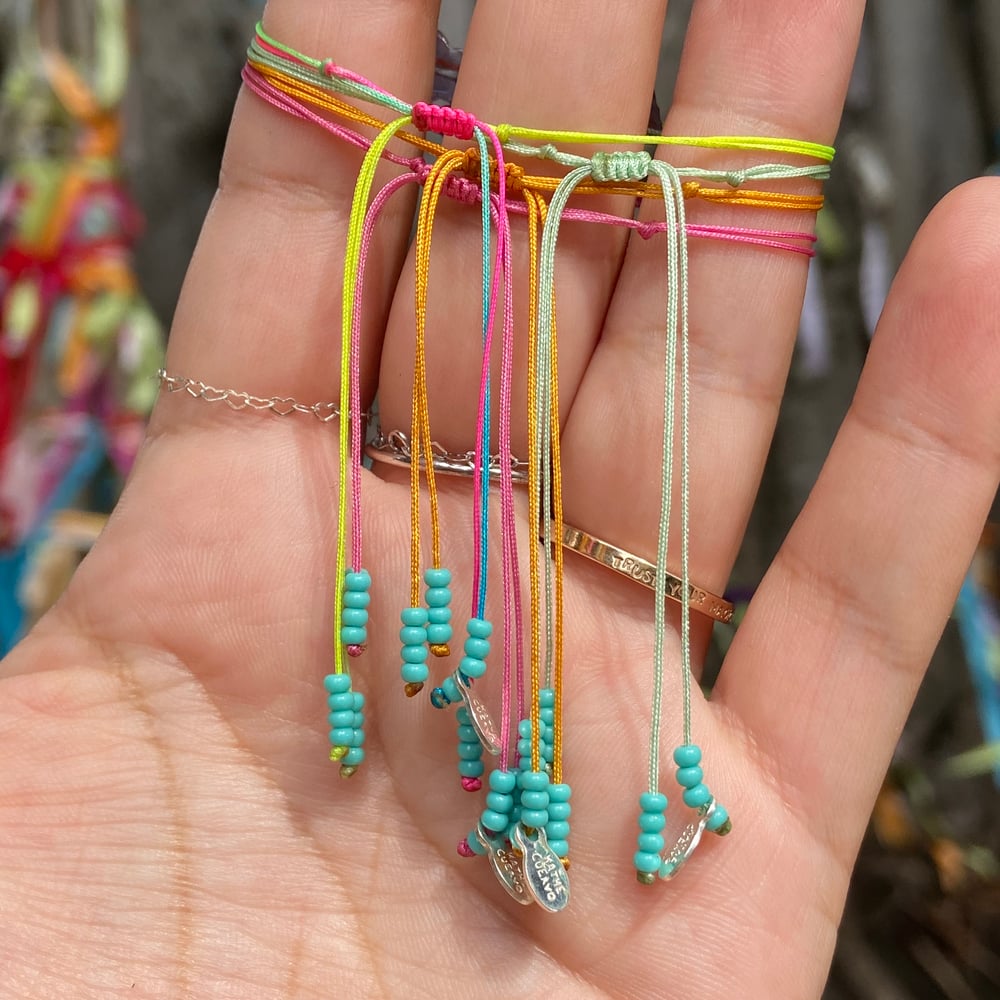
x=685 y=846
x=544 y=873
x=480 y=718
x=507 y=868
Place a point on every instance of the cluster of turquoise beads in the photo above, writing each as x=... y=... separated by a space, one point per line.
x=413 y=649
x=438 y=598
x=470 y=752
x=472 y=666
x=652 y=820
x=696 y=793
x=354 y=615
x=534 y=787
x=347 y=723
x=498 y=816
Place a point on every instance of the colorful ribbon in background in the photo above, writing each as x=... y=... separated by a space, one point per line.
x=78 y=345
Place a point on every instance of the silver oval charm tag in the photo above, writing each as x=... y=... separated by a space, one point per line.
x=480 y=718
x=507 y=868
x=685 y=846
x=547 y=879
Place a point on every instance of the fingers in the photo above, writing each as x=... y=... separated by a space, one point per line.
x=751 y=67
x=261 y=303
x=562 y=64
x=825 y=667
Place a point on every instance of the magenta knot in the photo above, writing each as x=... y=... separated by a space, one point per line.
x=355 y=650
x=647 y=230
x=464 y=850
x=330 y=68
x=444 y=120
x=462 y=189
x=471 y=784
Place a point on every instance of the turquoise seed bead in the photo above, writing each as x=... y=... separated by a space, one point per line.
x=524 y=729
x=361 y=580
x=475 y=843
x=438 y=635
x=546 y=698
x=353 y=635
x=718 y=818
x=341 y=702
x=451 y=689
x=471 y=768
x=499 y=802
x=413 y=616
x=561 y=847
x=439 y=616
x=437 y=577
x=438 y=597
x=687 y=756
x=697 y=797
x=414 y=654
x=524 y=748
x=652 y=822
x=646 y=862
x=414 y=673
x=503 y=781
x=467 y=734
x=358 y=739
x=479 y=628
x=353 y=757
x=359 y=701
x=535 y=800
x=337 y=683
x=412 y=635
x=342 y=736
x=359 y=720
x=547 y=753
x=535 y=818
x=356 y=598
x=493 y=820
x=354 y=617
x=560 y=811
x=651 y=843
x=473 y=667
x=342 y=719
x=652 y=802
x=688 y=777
x=558 y=829
x=534 y=781
x=478 y=648
x=560 y=793
x=470 y=751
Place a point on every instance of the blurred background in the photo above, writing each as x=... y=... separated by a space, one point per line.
x=113 y=116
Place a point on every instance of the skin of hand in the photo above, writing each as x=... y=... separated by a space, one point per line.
x=170 y=825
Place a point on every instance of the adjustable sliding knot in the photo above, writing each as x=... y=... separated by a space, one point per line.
x=736 y=178
x=462 y=189
x=621 y=165
x=548 y=151
x=444 y=120
x=647 y=230
x=420 y=167
x=330 y=68
x=513 y=172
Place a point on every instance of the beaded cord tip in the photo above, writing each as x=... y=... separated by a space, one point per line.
x=441 y=649
x=348 y=770
x=338 y=753
x=354 y=649
x=413 y=689
x=645 y=878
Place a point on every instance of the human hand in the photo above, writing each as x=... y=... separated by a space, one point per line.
x=169 y=817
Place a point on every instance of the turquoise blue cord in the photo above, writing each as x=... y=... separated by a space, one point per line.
x=484 y=510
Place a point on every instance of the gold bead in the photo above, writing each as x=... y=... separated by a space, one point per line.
x=413 y=689
x=726 y=827
x=441 y=649
x=645 y=878
x=348 y=770
x=565 y=863
x=337 y=753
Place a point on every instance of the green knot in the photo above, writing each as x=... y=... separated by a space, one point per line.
x=621 y=165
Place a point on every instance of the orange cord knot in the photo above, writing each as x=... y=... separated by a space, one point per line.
x=444 y=120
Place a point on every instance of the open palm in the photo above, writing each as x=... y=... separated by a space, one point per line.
x=170 y=824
